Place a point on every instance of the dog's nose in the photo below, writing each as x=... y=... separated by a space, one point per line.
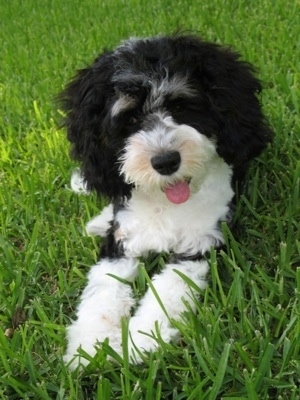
x=166 y=163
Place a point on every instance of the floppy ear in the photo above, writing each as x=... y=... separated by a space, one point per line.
x=233 y=92
x=86 y=101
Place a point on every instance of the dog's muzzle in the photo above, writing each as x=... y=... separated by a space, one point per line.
x=166 y=163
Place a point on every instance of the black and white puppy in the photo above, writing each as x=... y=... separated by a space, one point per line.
x=164 y=128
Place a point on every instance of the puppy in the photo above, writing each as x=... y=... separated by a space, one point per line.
x=164 y=128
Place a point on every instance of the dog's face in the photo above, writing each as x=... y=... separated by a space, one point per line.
x=165 y=155
x=155 y=113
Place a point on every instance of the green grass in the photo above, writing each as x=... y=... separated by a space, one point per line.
x=243 y=342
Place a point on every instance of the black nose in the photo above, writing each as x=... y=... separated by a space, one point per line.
x=166 y=163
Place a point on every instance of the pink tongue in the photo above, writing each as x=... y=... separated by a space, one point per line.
x=178 y=193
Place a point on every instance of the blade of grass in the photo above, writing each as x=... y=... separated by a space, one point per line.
x=218 y=379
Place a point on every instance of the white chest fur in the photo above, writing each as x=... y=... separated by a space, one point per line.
x=149 y=222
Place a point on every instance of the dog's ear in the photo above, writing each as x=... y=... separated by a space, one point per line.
x=86 y=101
x=233 y=92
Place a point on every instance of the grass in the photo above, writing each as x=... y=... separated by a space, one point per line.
x=243 y=342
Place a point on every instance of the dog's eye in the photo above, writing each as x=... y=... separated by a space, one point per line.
x=181 y=106
x=130 y=120
x=176 y=106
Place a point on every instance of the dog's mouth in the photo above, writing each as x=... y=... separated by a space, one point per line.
x=178 y=192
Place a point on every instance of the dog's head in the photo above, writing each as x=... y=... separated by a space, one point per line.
x=155 y=112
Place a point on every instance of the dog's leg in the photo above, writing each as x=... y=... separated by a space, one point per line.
x=100 y=224
x=104 y=302
x=173 y=293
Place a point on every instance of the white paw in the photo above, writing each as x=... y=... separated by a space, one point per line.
x=145 y=336
x=104 y=302
x=78 y=183
x=99 y=225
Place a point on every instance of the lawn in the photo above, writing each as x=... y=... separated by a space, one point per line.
x=243 y=342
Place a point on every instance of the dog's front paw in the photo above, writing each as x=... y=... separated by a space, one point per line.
x=87 y=335
x=146 y=336
x=73 y=361
x=100 y=224
x=104 y=302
